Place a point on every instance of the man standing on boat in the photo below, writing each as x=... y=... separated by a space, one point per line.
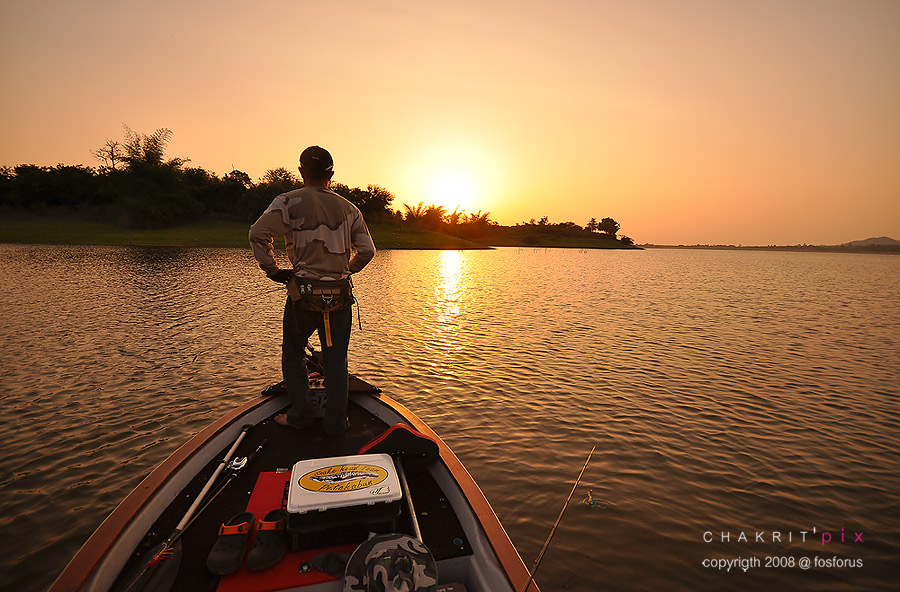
x=325 y=229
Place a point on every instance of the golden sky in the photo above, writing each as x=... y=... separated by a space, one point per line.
x=688 y=121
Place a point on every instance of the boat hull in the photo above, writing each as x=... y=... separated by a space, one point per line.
x=491 y=562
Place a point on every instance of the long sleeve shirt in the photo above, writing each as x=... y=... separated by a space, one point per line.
x=329 y=237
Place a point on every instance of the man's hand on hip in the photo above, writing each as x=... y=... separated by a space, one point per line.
x=281 y=276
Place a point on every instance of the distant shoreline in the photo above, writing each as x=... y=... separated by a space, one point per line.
x=883 y=249
x=227 y=233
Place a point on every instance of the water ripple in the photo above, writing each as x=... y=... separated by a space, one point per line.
x=725 y=391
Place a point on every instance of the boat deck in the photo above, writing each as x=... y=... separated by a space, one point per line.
x=439 y=526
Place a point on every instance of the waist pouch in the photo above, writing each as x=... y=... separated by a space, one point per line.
x=320 y=295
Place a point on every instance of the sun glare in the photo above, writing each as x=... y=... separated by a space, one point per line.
x=452 y=189
x=457 y=171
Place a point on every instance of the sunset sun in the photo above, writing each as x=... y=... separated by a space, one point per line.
x=452 y=189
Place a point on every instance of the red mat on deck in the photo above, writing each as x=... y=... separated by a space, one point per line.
x=270 y=493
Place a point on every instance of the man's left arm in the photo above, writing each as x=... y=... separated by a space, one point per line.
x=363 y=243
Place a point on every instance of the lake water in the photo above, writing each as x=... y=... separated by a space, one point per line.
x=744 y=405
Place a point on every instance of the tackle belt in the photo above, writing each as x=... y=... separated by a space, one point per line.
x=321 y=296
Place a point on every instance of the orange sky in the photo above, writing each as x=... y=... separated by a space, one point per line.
x=743 y=122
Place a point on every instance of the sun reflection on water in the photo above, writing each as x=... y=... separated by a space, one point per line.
x=448 y=289
x=449 y=297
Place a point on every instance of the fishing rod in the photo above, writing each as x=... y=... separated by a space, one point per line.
x=540 y=557
x=222 y=465
x=234 y=467
x=167 y=548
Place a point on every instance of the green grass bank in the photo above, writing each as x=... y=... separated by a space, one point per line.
x=210 y=233
x=225 y=233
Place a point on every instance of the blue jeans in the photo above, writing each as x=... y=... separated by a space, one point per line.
x=298 y=326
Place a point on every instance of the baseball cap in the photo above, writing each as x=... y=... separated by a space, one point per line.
x=316 y=161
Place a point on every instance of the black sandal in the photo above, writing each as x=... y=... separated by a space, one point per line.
x=271 y=541
x=227 y=553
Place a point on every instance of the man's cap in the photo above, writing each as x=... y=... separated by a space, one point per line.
x=316 y=160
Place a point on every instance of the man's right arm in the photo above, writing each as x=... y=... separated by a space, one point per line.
x=262 y=239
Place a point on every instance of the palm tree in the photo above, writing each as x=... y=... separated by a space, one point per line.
x=455 y=217
x=141 y=149
x=414 y=214
x=480 y=219
x=434 y=216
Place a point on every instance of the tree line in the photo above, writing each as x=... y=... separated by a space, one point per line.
x=606 y=228
x=438 y=218
x=138 y=186
x=478 y=225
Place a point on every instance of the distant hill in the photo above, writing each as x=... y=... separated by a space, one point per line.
x=881 y=244
x=881 y=241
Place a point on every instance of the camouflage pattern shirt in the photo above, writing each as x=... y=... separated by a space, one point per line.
x=321 y=229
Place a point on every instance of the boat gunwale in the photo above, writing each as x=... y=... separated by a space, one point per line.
x=86 y=561
x=497 y=536
x=88 y=558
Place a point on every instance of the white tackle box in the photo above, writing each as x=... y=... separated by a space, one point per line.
x=331 y=501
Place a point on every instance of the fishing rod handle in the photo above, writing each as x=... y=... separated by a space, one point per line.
x=187 y=517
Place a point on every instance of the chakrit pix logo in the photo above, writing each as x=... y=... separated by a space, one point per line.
x=824 y=537
x=341 y=478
